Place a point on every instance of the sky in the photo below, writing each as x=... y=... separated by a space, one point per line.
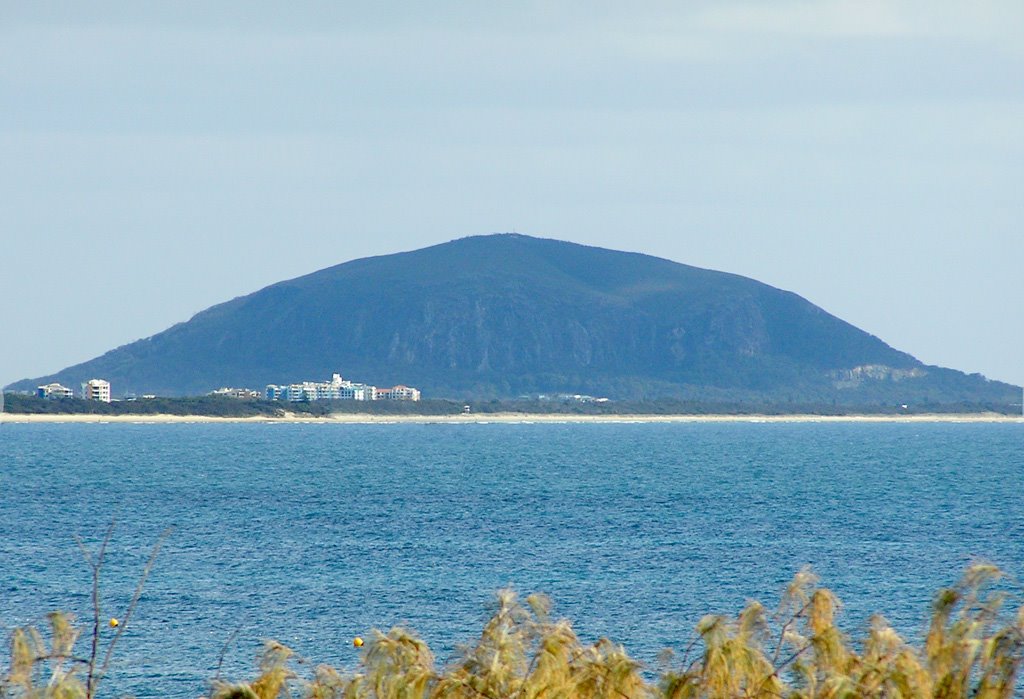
x=158 y=158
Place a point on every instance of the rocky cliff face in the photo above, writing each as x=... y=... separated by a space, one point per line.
x=508 y=314
x=859 y=375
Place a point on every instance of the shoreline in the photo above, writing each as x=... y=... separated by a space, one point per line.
x=506 y=418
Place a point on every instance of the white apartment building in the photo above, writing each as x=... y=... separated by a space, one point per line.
x=96 y=389
x=357 y=391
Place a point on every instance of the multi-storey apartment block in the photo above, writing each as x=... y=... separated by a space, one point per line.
x=96 y=389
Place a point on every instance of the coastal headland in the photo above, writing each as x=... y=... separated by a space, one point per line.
x=507 y=316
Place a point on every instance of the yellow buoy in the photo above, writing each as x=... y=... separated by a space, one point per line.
x=357 y=642
x=114 y=623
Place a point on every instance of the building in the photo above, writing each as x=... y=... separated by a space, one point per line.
x=308 y=391
x=53 y=391
x=357 y=391
x=337 y=389
x=398 y=393
x=96 y=389
x=239 y=393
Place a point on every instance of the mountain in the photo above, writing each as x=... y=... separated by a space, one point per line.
x=503 y=315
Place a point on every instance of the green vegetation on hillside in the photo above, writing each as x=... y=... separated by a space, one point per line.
x=973 y=649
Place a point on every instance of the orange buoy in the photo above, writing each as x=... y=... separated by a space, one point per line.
x=357 y=642
x=114 y=623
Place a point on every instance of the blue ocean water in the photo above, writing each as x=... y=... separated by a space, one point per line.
x=313 y=533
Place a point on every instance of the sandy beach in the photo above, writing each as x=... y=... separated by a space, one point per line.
x=509 y=418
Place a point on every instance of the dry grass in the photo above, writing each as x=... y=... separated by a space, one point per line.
x=973 y=649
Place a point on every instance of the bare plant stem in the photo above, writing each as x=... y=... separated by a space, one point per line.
x=782 y=632
x=224 y=650
x=134 y=603
x=96 y=564
x=96 y=673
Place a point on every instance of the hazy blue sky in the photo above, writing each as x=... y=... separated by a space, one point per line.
x=866 y=155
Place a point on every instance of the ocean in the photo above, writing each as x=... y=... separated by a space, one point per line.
x=312 y=534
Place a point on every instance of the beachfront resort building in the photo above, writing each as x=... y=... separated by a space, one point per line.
x=398 y=393
x=96 y=389
x=239 y=393
x=54 y=391
x=337 y=389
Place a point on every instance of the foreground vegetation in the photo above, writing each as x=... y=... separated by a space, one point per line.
x=973 y=648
